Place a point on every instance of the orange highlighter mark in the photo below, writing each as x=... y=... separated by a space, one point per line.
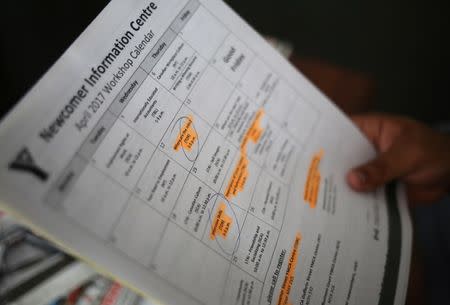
x=238 y=178
x=240 y=172
x=313 y=180
x=254 y=131
x=283 y=299
x=221 y=223
x=187 y=136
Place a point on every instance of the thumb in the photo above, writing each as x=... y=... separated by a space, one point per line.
x=387 y=166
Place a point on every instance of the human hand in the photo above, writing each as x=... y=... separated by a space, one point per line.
x=409 y=151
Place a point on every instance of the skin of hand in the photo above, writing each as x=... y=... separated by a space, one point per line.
x=408 y=151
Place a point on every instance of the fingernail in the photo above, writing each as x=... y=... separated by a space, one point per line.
x=357 y=178
x=362 y=176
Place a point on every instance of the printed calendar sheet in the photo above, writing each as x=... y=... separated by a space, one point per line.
x=173 y=149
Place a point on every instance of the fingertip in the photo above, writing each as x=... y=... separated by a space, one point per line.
x=357 y=179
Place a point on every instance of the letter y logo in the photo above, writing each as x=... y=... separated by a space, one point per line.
x=24 y=162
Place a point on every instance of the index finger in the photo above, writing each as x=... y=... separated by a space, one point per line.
x=380 y=129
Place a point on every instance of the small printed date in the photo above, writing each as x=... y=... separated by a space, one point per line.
x=93 y=107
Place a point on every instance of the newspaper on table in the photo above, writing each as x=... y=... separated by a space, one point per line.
x=173 y=149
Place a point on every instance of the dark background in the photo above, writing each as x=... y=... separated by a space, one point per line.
x=402 y=44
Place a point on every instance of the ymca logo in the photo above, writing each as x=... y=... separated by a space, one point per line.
x=24 y=162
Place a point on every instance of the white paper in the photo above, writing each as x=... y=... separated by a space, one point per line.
x=172 y=148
